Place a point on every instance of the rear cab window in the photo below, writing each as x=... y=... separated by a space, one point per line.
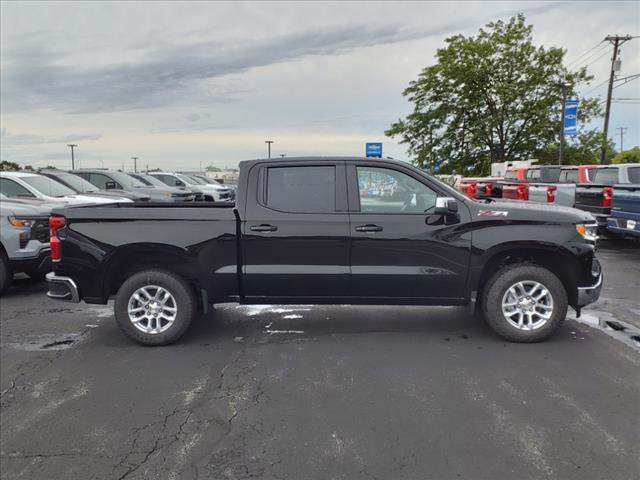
x=634 y=174
x=569 y=176
x=606 y=176
x=301 y=189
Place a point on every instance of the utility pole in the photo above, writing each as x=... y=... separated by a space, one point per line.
x=616 y=40
x=73 y=160
x=622 y=130
x=147 y=168
x=135 y=164
x=269 y=142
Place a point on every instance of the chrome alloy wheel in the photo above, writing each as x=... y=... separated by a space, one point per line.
x=152 y=309
x=527 y=305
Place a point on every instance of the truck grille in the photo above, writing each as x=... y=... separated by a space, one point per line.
x=40 y=230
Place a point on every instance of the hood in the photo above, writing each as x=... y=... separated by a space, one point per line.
x=527 y=211
x=87 y=199
x=8 y=207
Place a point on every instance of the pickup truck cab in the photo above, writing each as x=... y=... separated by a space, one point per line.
x=328 y=231
x=596 y=197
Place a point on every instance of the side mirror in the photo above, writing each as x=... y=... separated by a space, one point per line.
x=110 y=185
x=445 y=206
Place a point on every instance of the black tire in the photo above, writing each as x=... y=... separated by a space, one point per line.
x=6 y=273
x=185 y=301
x=502 y=280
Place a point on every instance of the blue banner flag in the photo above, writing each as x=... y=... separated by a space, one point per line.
x=374 y=150
x=570 y=117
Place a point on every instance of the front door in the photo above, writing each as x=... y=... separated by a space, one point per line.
x=296 y=232
x=400 y=252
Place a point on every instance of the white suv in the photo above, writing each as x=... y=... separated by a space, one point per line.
x=212 y=193
x=31 y=185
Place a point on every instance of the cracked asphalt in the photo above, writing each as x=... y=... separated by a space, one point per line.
x=301 y=392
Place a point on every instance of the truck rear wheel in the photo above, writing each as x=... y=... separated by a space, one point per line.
x=524 y=303
x=154 y=307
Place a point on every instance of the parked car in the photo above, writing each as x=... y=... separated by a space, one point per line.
x=331 y=231
x=212 y=193
x=154 y=182
x=31 y=185
x=80 y=185
x=214 y=181
x=113 y=179
x=625 y=210
x=596 y=197
x=24 y=239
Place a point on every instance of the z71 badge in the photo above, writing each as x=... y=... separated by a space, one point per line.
x=493 y=213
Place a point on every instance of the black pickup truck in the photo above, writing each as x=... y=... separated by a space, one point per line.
x=328 y=231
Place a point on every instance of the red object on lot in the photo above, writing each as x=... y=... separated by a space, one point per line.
x=487 y=189
x=468 y=187
x=55 y=223
x=516 y=192
x=607 y=196
x=551 y=194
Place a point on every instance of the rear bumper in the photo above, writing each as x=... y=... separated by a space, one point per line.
x=62 y=288
x=590 y=294
x=619 y=225
x=41 y=263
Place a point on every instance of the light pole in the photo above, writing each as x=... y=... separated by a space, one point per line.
x=565 y=85
x=269 y=142
x=73 y=160
x=135 y=164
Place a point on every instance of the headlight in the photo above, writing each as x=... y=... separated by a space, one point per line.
x=21 y=223
x=588 y=231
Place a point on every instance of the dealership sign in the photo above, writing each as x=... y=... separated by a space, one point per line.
x=374 y=149
x=570 y=117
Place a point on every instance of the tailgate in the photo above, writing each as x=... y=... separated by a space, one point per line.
x=589 y=196
x=626 y=202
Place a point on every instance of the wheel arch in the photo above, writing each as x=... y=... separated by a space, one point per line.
x=552 y=257
x=131 y=259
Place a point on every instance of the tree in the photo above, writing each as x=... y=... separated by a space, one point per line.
x=29 y=168
x=211 y=168
x=6 y=166
x=628 y=156
x=492 y=97
x=583 y=149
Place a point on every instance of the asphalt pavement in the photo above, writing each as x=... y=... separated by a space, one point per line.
x=322 y=392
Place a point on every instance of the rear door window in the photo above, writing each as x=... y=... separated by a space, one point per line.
x=606 y=176
x=307 y=189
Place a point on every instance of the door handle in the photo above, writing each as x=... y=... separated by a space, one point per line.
x=263 y=228
x=369 y=228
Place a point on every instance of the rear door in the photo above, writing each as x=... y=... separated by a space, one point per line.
x=296 y=232
x=399 y=252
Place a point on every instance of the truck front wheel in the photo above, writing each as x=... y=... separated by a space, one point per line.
x=524 y=303
x=154 y=307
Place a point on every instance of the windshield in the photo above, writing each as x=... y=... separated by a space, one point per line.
x=205 y=179
x=188 y=179
x=126 y=180
x=151 y=180
x=48 y=187
x=77 y=183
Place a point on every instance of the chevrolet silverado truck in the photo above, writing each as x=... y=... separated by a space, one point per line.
x=625 y=211
x=596 y=197
x=328 y=231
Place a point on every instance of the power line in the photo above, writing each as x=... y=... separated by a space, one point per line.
x=596 y=87
x=579 y=58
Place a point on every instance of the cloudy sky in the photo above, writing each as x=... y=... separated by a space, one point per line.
x=177 y=84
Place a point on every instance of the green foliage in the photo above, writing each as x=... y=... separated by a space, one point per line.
x=583 y=149
x=211 y=168
x=6 y=166
x=628 y=156
x=492 y=97
x=29 y=168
